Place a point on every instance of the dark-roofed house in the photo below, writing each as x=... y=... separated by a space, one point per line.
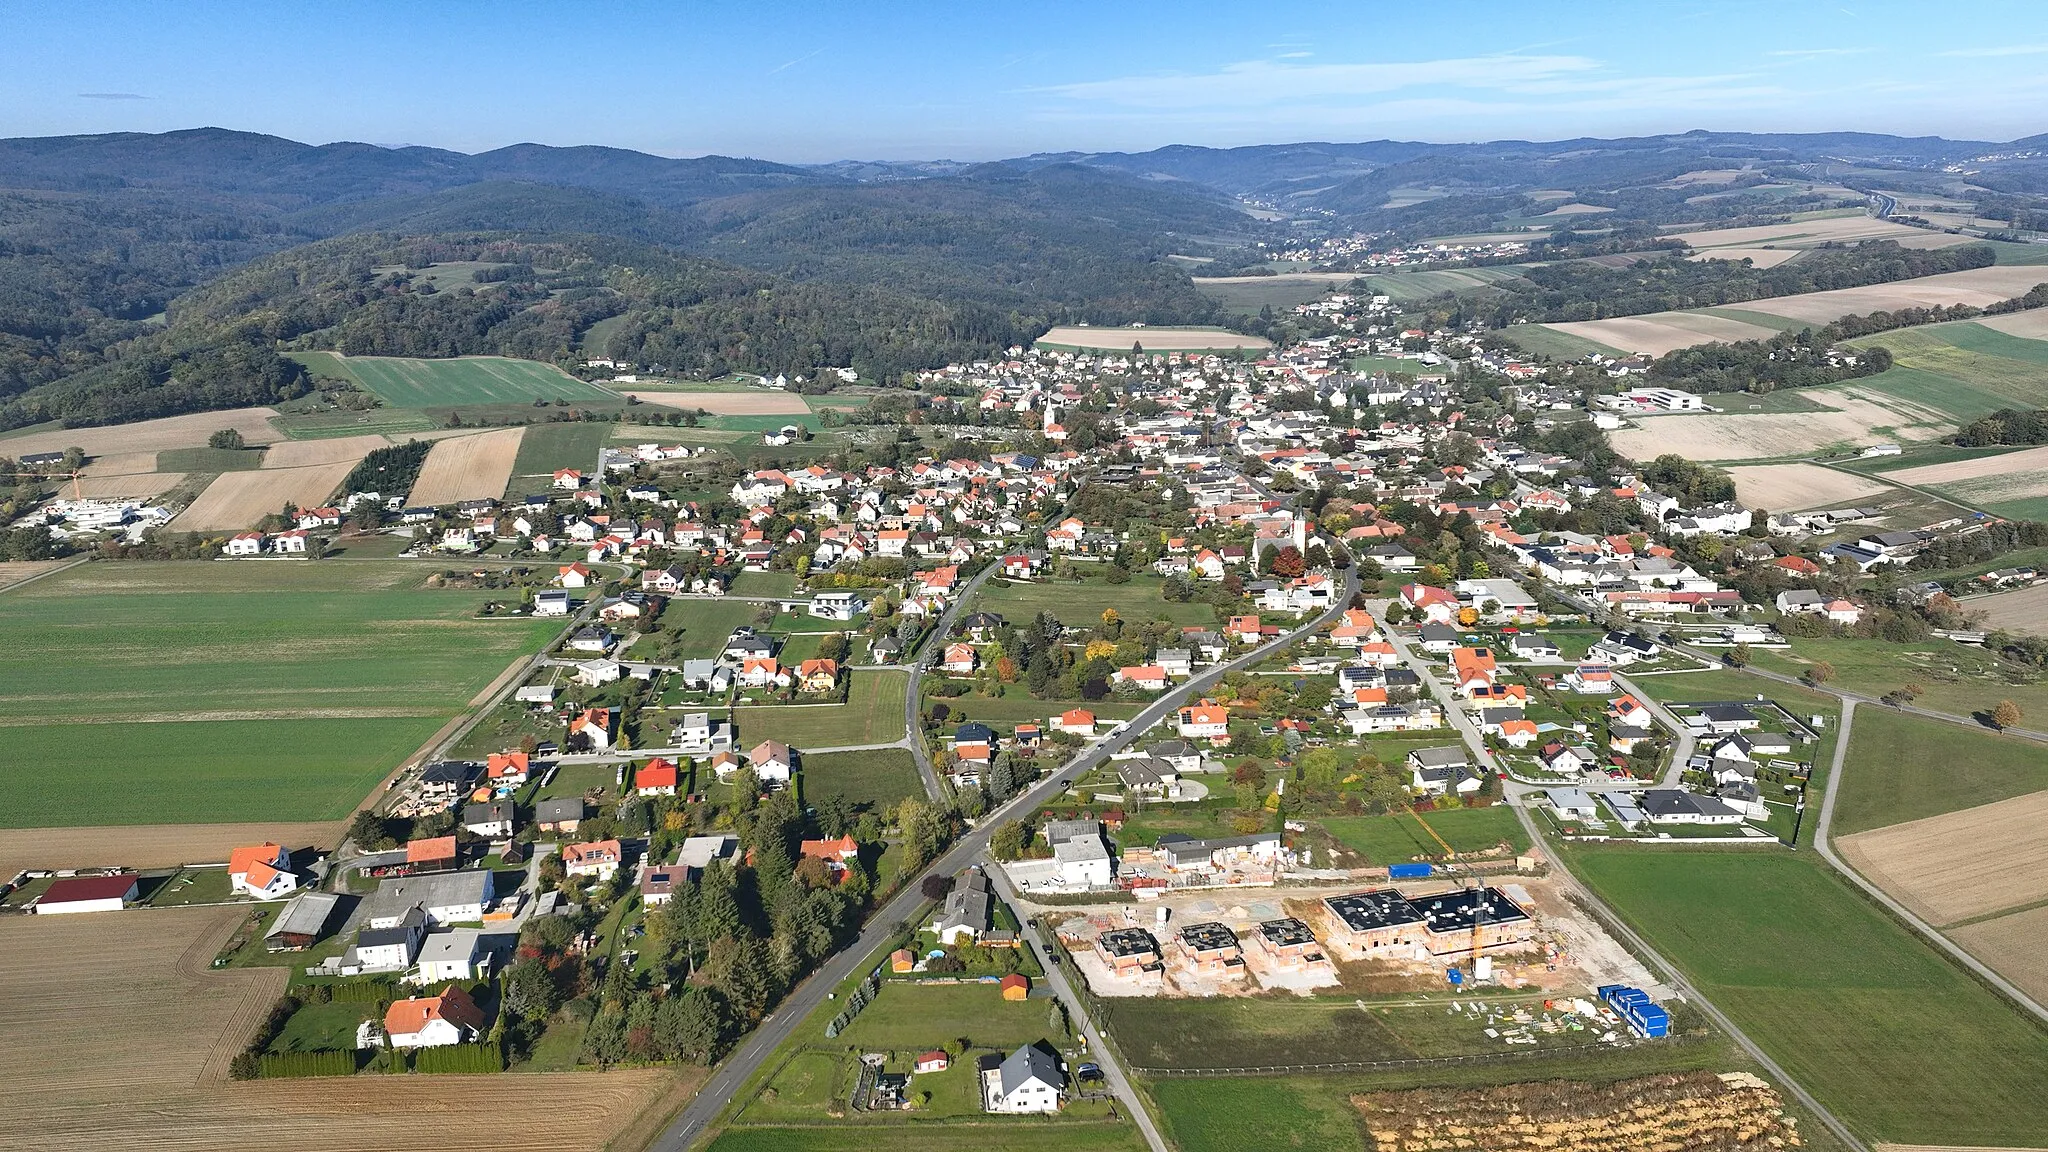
x=1212 y=948
x=1439 y=770
x=1029 y=1081
x=560 y=813
x=1377 y=920
x=1288 y=944
x=966 y=913
x=1129 y=951
x=1674 y=806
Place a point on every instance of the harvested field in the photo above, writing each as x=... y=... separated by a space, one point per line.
x=2024 y=610
x=1960 y=864
x=148 y=435
x=1662 y=332
x=120 y=464
x=150 y=845
x=135 y=484
x=1854 y=419
x=13 y=572
x=2012 y=945
x=1154 y=339
x=310 y=453
x=1761 y=257
x=1792 y=487
x=1812 y=233
x=134 y=1035
x=2031 y=324
x=727 y=403
x=466 y=468
x=239 y=500
x=1678 y=1112
x=2003 y=465
x=1978 y=287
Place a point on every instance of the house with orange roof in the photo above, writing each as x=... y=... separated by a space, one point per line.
x=959 y=660
x=575 y=575
x=1243 y=628
x=597 y=858
x=1472 y=671
x=1518 y=733
x=507 y=769
x=1207 y=720
x=1150 y=677
x=594 y=727
x=657 y=777
x=817 y=675
x=1354 y=628
x=1435 y=605
x=837 y=854
x=263 y=871
x=1590 y=679
x=434 y=1021
x=1079 y=721
x=1629 y=711
x=762 y=672
x=1378 y=654
x=433 y=854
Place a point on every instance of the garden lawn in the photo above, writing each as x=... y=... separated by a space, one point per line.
x=1884 y=1030
x=1396 y=838
x=862 y=779
x=1081 y=602
x=912 y=1017
x=323 y=1028
x=1903 y=767
x=706 y=624
x=872 y=714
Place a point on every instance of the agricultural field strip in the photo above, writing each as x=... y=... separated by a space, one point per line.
x=310 y=453
x=2004 y=465
x=475 y=467
x=1795 y=487
x=2012 y=945
x=1960 y=865
x=189 y=431
x=238 y=500
x=1662 y=332
x=1853 y=417
x=1160 y=339
x=404 y=382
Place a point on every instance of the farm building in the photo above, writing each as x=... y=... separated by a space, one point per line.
x=302 y=922
x=86 y=894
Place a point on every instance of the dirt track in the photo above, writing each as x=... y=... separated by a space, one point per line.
x=1960 y=864
x=133 y=1033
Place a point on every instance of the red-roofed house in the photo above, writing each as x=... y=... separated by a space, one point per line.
x=1436 y=605
x=263 y=871
x=595 y=725
x=1150 y=677
x=657 y=777
x=1244 y=628
x=434 y=854
x=598 y=858
x=1079 y=721
x=434 y=1021
x=507 y=768
x=818 y=675
x=1205 y=721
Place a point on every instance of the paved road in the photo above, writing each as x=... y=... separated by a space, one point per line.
x=744 y=1061
x=1098 y=1045
x=1827 y=850
x=1515 y=792
x=913 y=729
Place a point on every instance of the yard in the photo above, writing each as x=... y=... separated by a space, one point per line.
x=1080 y=602
x=1396 y=838
x=872 y=714
x=216 y=691
x=323 y=1028
x=1904 y=767
x=875 y=779
x=1899 y=1043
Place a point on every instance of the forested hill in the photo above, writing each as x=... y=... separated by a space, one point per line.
x=219 y=344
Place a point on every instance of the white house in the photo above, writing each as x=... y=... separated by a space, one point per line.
x=263 y=871
x=1029 y=1081
x=457 y=954
x=434 y=1021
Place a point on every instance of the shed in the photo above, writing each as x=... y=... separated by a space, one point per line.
x=87 y=894
x=1016 y=986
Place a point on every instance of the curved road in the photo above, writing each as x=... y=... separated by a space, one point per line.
x=696 y=1119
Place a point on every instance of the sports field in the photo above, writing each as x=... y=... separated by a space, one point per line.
x=402 y=382
x=1883 y=1029
x=212 y=691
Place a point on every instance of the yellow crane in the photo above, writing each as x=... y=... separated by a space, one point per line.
x=1478 y=905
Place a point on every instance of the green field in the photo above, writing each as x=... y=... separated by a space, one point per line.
x=1884 y=1030
x=1277 y=292
x=330 y=425
x=402 y=382
x=706 y=624
x=1543 y=341
x=872 y=714
x=199 y=691
x=1080 y=603
x=209 y=459
x=1395 y=838
x=1904 y=768
x=875 y=778
x=547 y=448
x=1955 y=678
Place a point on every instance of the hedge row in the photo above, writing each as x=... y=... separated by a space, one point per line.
x=290 y=1065
x=484 y=1057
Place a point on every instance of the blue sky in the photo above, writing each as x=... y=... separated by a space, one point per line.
x=876 y=80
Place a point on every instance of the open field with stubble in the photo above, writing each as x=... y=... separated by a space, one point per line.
x=133 y=1034
x=1795 y=487
x=189 y=431
x=749 y=403
x=1850 y=416
x=1961 y=865
x=212 y=691
x=152 y=845
x=1120 y=339
x=1662 y=332
x=2023 y=610
x=312 y=453
x=1800 y=234
x=2011 y=944
x=467 y=468
x=239 y=500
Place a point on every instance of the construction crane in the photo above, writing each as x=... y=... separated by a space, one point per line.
x=1478 y=898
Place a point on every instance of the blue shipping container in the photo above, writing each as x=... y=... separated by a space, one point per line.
x=1409 y=871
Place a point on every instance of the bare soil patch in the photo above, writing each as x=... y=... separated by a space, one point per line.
x=1663 y=332
x=2003 y=464
x=133 y=1033
x=2031 y=324
x=2012 y=946
x=1791 y=487
x=1811 y=233
x=2023 y=610
x=190 y=431
x=114 y=487
x=309 y=453
x=1154 y=339
x=149 y=845
x=467 y=468
x=1960 y=864
x=727 y=403
x=1855 y=419
x=240 y=500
